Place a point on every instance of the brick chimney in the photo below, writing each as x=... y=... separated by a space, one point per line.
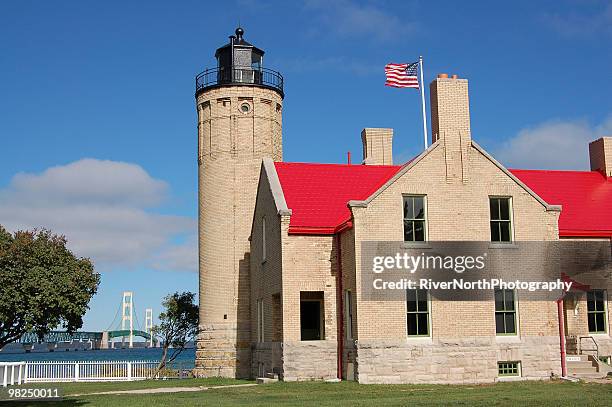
x=450 y=122
x=600 y=152
x=377 y=146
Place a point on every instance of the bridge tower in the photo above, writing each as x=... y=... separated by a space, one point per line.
x=239 y=105
x=127 y=313
x=149 y=325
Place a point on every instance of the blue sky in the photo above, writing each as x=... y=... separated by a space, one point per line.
x=98 y=124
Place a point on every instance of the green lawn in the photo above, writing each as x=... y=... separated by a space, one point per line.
x=85 y=388
x=554 y=393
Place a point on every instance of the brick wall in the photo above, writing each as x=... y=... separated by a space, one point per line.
x=377 y=146
x=266 y=280
x=600 y=152
x=457 y=178
x=231 y=145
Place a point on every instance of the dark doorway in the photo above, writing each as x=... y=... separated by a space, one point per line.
x=311 y=316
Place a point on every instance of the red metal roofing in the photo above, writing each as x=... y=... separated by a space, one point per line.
x=318 y=194
x=585 y=197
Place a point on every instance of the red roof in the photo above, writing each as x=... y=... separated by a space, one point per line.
x=318 y=194
x=585 y=197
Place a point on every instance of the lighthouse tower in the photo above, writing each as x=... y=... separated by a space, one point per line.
x=239 y=105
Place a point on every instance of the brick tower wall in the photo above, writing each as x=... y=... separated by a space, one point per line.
x=231 y=145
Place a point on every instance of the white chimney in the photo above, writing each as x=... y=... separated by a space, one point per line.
x=600 y=152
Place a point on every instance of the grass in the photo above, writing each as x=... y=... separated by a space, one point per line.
x=555 y=393
x=96 y=387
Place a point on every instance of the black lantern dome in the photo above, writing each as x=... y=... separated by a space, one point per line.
x=239 y=63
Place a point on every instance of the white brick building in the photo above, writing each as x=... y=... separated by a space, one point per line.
x=281 y=246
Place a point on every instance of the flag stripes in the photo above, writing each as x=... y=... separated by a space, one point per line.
x=402 y=75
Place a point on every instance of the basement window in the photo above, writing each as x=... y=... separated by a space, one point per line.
x=505 y=312
x=508 y=369
x=501 y=219
x=414 y=218
x=312 y=317
x=417 y=312
x=596 y=311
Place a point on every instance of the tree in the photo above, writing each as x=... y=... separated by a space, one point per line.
x=42 y=284
x=178 y=324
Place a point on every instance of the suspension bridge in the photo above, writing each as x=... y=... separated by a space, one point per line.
x=125 y=325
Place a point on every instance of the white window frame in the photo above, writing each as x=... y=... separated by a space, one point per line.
x=429 y=320
x=511 y=209
x=517 y=325
x=605 y=313
x=425 y=219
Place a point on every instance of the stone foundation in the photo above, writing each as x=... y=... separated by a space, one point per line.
x=220 y=353
x=267 y=357
x=310 y=360
x=349 y=360
x=604 y=344
x=462 y=360
x=448 y=361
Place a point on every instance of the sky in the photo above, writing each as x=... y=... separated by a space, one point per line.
x=98 y=122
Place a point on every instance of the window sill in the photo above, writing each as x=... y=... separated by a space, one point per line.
x=419 y=339
x=416 y=245
x=507 y=339
x=599 y=335
x=498 y=245
x=509 y=379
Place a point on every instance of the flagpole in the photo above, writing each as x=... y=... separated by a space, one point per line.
x=423 y=102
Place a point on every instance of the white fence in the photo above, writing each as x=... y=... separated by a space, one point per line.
x=83 y=371
x=12 y=372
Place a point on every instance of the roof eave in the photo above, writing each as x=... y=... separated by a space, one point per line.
x=275 y=187
x=547 y=206
x=364 y=203
x=585 y=233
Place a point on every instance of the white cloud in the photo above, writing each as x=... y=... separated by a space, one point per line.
x=179 y=257
x=347 y=18
x=589 y=18
x=103 y=208
x=553 y=145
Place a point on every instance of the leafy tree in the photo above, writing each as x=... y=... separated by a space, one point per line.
x=42 y=284
x=178 y=324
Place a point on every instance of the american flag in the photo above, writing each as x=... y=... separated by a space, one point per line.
x=402 y=75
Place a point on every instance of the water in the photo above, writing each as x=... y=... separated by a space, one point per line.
x=186 y=358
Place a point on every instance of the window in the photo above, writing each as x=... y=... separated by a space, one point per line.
x=508 y=368
x=312 y=321
x=414 y=218
x=263 y=239
x=596 y=311
x=505 y=312
x=260 y=321
x=417 y=312
x=245 y=107
x=348 y=315
x=501 y=219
